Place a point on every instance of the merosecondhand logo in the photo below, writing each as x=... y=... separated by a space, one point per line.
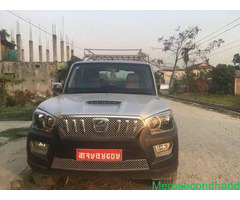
x=157 y=185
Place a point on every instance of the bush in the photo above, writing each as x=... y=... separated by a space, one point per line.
x=223 y=77
x=23 y=97
x=176 y=86
x=4 y=82
x=10 y=101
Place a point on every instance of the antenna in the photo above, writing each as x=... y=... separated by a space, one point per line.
x=12 y=34
x=61 y=36
x=72 y=44
x=46 y=39
x=18 y=27
x=54 y=29
x=67 y=40
x=40 y=35
x=30 y=30
x=62 y=27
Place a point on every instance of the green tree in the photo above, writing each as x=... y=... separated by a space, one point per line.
x=4 y=34
x=236 y=60
x=223 y=77
x=62 y=74
x=157 y=76
x=183 y=44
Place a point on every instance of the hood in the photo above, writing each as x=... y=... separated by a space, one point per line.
x=104 y=104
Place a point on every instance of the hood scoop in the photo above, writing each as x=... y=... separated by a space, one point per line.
x=103 y=102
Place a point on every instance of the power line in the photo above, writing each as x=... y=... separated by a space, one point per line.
x=37 y=26
x=218 y=30
x=229 y=44
x=216 y=35
x=221 y=33
x=224 y=50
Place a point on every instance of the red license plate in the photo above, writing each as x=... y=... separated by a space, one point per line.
x=99 y=154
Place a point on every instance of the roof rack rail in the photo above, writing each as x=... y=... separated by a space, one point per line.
x=113 y=54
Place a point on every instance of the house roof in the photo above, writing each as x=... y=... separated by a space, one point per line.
x=200 y=66
x=7 y=43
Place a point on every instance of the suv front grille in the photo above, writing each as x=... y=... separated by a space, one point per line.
x=128 y=165
x=109 y=127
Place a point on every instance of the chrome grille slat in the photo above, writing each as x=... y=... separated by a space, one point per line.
x=128 y=165
x=75 y=124
x=66 y=125
x=135 y=125
x=127 y=125
x=82 y=126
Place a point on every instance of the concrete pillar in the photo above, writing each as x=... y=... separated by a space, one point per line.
x=23 y=57
x=68 y=52
x=0 y=49
x=62 y=51
x=30 y=51
x=72 y=52
x=19 y=47
x=54 y=48
x=237 y=85
x=40 y=53
x=47 y=55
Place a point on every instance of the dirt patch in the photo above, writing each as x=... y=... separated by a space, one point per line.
x=27 y=183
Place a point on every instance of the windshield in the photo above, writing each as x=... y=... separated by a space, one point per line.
x=110 y=78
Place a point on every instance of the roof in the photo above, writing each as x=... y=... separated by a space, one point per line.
x=113 y=54
x=7 y=43
x=200 y=66
x=113 y=61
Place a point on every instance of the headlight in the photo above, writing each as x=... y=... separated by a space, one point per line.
x=43 y=121
x=160 y=122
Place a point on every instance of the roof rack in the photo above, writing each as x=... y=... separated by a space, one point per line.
x=113 y=54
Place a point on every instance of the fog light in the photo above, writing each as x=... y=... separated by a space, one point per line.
x=39 y=147
x=163 y=149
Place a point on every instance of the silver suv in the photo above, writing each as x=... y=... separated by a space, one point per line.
x=108 y=122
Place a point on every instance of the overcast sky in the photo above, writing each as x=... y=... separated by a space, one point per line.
x=126 y=29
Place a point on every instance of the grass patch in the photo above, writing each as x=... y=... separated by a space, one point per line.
x=23 y=113
x=11 y=133
x=226 y=100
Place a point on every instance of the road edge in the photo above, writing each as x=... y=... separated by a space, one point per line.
x=216 y=107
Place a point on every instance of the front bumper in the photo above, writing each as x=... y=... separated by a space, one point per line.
x=140 y=149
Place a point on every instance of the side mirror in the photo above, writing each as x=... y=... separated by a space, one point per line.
x=57 y=88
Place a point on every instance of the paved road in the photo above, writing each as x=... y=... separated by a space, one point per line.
x=13 y=154
x=4 y=125
x=209 y=145
x=209 y=151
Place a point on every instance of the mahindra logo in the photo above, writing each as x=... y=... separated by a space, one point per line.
x=100 y=125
